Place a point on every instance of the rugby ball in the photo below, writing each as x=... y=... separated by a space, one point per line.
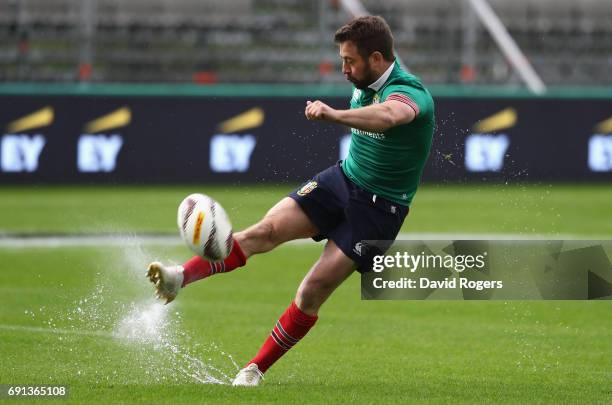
x=205 y=227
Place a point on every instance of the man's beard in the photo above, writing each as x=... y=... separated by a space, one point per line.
x=368 y=78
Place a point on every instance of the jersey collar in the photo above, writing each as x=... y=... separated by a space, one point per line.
x=382 y=79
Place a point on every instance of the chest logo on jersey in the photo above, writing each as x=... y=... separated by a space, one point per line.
x=376 y=98
x=375 y=135
x=307 y=188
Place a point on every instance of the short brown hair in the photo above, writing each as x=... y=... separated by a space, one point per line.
x=370 y=34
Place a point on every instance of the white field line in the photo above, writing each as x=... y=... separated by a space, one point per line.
x=57 y=241
x=56 y=331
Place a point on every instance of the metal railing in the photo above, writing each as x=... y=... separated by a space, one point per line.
x=269 y=41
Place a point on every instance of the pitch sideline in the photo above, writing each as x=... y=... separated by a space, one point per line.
x=9 y=241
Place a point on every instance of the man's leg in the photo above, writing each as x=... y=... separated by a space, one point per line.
x=332 y=268
x=283 y=222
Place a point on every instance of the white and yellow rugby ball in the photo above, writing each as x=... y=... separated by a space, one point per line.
x=205 y=227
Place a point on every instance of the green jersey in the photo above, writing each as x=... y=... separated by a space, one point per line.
x=390 y=164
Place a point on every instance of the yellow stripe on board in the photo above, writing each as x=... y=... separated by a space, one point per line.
x=604 y=127
x=504 y=119
x=116 y=119
x=249 y=119
x=37 y=119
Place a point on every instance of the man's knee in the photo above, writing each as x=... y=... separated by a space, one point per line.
x=308 y=299
x=326 y=275
x=263 y=234
x=267 y=231
x=315 y=285
x=313 y=292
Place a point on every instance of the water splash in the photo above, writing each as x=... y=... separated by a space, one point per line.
x=149 y=335
x=152 y=331
x=145 y=323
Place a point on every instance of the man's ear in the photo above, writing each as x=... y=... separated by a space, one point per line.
x=376 y=58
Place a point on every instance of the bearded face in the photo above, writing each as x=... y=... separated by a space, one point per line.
x=355 y=67
x=365 y=79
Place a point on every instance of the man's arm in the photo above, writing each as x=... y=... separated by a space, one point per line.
x=373 y=118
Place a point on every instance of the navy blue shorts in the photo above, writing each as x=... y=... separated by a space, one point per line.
x=349 y=215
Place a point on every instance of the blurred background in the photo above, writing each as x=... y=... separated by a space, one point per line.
x=269 y=41
x=229 y=78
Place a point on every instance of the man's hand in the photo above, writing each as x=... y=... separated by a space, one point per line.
x=318 y=110
x=373 y=118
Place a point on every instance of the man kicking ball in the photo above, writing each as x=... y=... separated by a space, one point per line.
x=365 y=197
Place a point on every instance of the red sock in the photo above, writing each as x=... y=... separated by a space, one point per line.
x=289 y=329
x=197 y=268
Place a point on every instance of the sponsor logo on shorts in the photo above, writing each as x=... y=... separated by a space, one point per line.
x=307 y=188
x=358 y=247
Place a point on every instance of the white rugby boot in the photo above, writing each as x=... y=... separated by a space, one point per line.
x=167 y=280
x=250 y=376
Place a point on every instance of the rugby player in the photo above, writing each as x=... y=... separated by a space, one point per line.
x=364 y=197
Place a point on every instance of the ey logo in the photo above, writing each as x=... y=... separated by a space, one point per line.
x=600 y=147
x=229 y=151
x=97 y=151
x=485 y=150
x=19 y=149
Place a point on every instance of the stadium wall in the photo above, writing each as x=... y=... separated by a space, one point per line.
x=258 y=133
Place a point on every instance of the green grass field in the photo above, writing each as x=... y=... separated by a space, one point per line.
x=84 y=316
x=518 y=209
